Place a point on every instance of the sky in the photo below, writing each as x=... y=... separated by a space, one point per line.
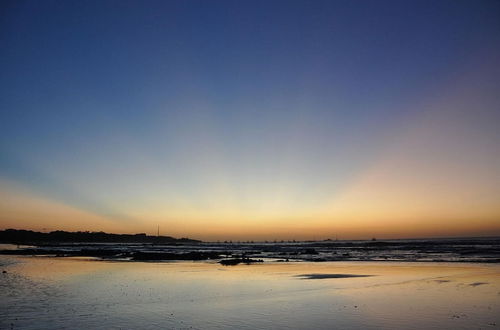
x=251 y=120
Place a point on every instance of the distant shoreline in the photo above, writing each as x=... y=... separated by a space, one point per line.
x=15 y=236
x=31 y=237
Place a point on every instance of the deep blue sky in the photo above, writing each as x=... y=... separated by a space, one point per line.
x=110 y=102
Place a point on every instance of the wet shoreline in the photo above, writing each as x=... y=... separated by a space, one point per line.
x=81 y=293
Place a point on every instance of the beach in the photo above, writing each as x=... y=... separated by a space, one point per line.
x=40 y=292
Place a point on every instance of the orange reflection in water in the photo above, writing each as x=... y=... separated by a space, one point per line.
x=207 y=295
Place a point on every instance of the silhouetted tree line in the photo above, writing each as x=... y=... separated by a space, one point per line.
x=15 y=236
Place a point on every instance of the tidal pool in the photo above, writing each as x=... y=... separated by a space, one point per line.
x=81 y=293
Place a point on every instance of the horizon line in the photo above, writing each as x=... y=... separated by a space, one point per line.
x=253 y=241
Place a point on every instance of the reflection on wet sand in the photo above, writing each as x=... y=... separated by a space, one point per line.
x=42 y=292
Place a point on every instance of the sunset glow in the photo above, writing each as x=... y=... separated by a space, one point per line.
x=267 y=122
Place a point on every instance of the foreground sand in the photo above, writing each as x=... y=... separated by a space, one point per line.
x=49 y=293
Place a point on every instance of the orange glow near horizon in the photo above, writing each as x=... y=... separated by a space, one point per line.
x=344 y=221
x=434 y=174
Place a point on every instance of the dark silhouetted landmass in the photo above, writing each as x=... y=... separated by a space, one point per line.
x=14 y=236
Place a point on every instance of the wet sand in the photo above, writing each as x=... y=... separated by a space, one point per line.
x=82 y=293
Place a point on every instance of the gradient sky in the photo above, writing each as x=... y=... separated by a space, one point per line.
x=251 y=119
